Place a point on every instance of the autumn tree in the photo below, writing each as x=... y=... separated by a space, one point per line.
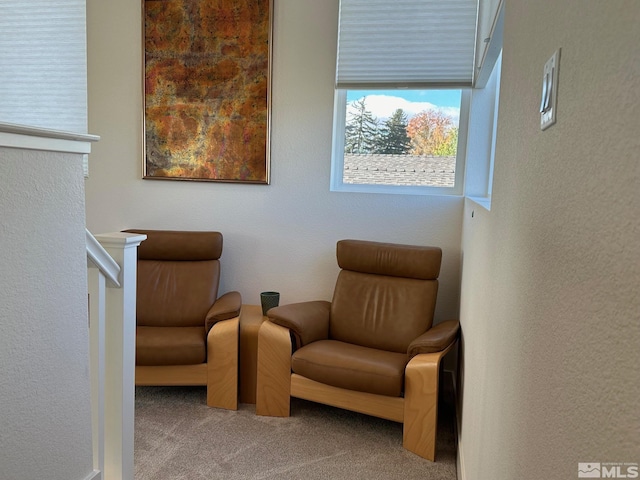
x=362 y=129
x=449 y=147
x=432 y=133
x=393 y=138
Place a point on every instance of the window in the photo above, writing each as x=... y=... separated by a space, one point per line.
x=404 y=55
x=399 y=141
x=482 y=138
x=484 y=107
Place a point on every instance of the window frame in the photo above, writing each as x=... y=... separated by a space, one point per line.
x=337 y=155
x=485 y=104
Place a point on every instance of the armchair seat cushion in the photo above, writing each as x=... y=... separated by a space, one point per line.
x=352 y=367
x=170 y=345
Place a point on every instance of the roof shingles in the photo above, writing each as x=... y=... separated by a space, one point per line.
x=414 y=170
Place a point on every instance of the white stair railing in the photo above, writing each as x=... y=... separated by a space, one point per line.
x=112 y=262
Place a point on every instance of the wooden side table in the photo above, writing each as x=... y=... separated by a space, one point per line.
x=250 y=320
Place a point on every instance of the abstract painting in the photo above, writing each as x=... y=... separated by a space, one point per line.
x=207 y=90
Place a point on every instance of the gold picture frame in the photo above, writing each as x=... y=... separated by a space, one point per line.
x=207 y=90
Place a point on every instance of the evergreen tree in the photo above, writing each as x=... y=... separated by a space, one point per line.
x=393 y=138
x=362 y=130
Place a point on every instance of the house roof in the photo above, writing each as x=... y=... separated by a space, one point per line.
x=381 y=169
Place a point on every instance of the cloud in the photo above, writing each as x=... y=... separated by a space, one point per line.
x=383 y=106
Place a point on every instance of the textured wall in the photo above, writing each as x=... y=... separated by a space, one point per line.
x=277 y=237
x=45 y=420
x=550 y=306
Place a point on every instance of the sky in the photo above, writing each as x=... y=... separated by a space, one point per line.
x=382 y=103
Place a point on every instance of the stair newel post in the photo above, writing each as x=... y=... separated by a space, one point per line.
x=120 y=349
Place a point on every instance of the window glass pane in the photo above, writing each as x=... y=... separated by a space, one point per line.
x=401 y=137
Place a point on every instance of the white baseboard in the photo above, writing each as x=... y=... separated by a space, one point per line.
x=460 y=472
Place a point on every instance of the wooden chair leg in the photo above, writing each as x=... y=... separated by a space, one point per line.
x=222 y=364
x=273 y=385
x=421 y=404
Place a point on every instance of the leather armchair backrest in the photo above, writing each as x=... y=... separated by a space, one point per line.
x=385 y=294
x=178 y=277
x=179 y=245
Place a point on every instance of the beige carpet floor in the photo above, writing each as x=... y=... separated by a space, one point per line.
x=177 y=437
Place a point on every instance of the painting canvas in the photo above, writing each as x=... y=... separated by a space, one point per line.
x=206 y=90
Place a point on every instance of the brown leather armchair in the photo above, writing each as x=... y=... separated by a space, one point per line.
x=372 y=349
x=185 y=334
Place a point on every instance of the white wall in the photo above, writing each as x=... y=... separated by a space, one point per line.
x=45 y=418
x=277 y=237
x=550 y=306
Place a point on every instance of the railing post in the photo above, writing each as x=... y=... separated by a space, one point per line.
x=97 y=295
x=120 y=349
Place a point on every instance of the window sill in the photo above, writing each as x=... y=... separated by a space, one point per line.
x=394 y=189
x=484 y=202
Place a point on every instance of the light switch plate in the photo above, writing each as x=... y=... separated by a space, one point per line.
x=549 y=91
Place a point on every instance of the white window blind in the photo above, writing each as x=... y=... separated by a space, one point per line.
x=406 y=43
x=43 y=66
